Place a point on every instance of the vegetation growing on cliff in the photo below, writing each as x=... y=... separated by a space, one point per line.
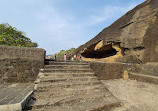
x=12 y=37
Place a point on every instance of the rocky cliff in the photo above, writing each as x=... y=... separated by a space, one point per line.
x=132 y=38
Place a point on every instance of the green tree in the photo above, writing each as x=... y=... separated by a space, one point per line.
x=11 y=36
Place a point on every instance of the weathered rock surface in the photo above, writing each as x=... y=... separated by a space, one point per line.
x=132 y=38
x=71 y=86
x=20 y=64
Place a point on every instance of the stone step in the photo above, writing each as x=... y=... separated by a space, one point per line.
x=66 y=67
x=66 y=84
x=63 y=75
x=143 y=77
x=51 y=95
x=67 y=63
x=76 y=79
x=91 y=105
x=78 y=103
x=70 y=90
x=72 y=61
x=70 y=98
x=68 y=87
x=65 y=70
x=59 y=93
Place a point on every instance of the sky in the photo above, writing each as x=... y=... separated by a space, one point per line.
x=62 y=24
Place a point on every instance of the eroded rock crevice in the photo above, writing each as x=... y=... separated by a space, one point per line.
x=102 y=50
x=139 y=48
x=126 y=25
x=106 y=51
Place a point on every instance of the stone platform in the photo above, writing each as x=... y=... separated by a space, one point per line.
x=14 y=96
x=134 y=95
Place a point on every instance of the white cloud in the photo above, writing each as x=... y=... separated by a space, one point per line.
x=60 y=30
x=66 y=31
x=108 y=12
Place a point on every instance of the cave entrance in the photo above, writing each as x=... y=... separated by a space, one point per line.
x=103 y=52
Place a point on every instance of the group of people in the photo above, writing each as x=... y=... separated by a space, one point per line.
x=75 y=57
x=48 y=57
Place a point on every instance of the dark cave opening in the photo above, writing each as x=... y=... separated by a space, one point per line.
x=103 y=52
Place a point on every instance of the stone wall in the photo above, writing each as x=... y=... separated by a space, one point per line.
x=20 y=64
x=111 y=70
x=105 y=71
x=116 y=70
x=149 y=68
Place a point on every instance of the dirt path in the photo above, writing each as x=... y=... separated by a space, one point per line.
x=135 y=96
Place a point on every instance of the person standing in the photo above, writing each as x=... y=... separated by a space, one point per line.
x=65 y=57
x=80 y=57
x=74 y=56
x=72 y=59
x=55 y=57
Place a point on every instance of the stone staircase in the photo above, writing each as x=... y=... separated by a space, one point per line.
x=71 y=86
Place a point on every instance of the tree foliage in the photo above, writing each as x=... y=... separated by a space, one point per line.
x=12 y=37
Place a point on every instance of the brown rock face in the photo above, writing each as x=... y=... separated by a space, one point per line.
x=132 y=38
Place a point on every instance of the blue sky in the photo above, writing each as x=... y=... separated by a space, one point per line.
x=62 y=24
